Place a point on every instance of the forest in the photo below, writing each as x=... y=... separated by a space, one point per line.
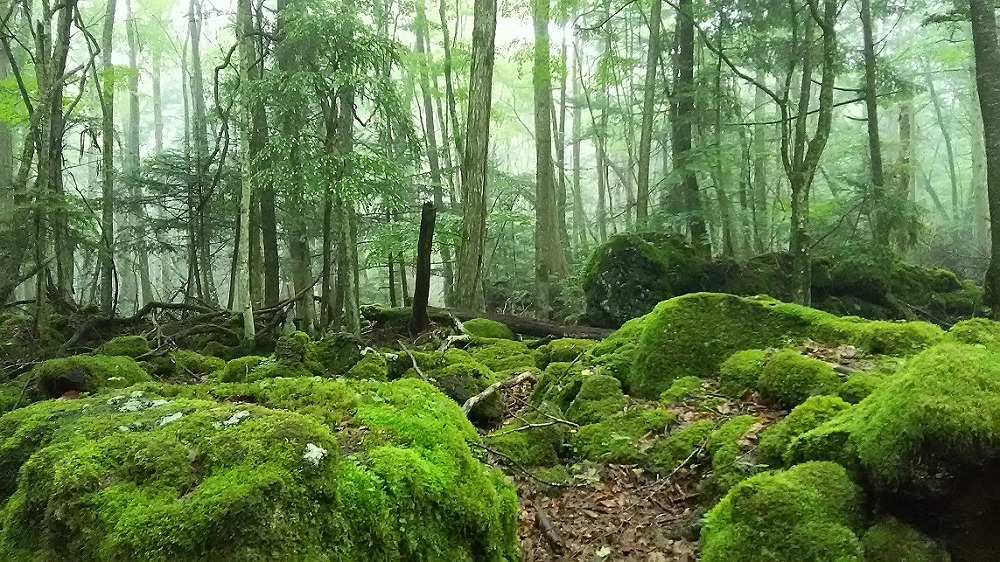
x=458 y=280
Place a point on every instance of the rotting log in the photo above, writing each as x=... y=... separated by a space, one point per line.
x=517 y=324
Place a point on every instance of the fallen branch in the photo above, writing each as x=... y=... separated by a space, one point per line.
x=545 y=524
x=491 y=389
x=414 y=360
x=518 y=466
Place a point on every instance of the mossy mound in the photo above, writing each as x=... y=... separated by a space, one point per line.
x=693 y=334
x=314 y=470
x=938 y=415
x=809 y=513
x=542 y=445
x=741 y=371
x=125 y=346
x=372 y=366
x=976 y=331
x=682 y=389
x=731 y=462
x=623 y=278
x=891 y=540
x=191 y=365
x=82 y=373
x=502 y=356
x=805 y=417
x=668 y=454
x=485 y=328
x=790 y=378
x=240 y=369
x=336 y=353
x=618 y=439
x=615 y=354
x=599 y=397
x=859 y=386
x=563 y=350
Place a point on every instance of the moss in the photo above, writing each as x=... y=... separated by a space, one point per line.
x=617 y=438
x=939 y=413
x=222 y=351
x=534 y=446
x=485 y=328
x=976 y=331
x=790 y=378
x=805 y=417
x=667 y=454
x=125 y=346
x=559 y=384
x=891 y=540
x=807 y=513
x=463 y=380
x=730 y=462
x=741 y=371
x=83 y=373
x=564 y=350
x=337 y=353
x=682 y=389
x=240 y=369
x=193 y=365
x=502 y=356
x=389 y=476
x=599 y=397
x=615 y=354
x=372 y=366
x=693 y=334
x=859 y=386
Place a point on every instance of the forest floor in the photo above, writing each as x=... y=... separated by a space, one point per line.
x=612 y=512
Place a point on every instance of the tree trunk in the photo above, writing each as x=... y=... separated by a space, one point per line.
x=984 y=38
x=948 y=146
x=646 y=131
x=108 y=296
x=682 y=126
x=132 y=157
x=244 y=35
x=469 y=285
x=421 y=292
x=449 y=82
x=879 y=216
x=905 y=179
x=579 y=217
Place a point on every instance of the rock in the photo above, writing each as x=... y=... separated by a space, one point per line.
x=805 y=417
x=790 y=378
x=483 y=328
x=125 y=346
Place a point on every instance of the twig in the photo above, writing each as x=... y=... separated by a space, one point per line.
x=491 y=389
x=414 y=360
x=518 y=466
x=528 y=426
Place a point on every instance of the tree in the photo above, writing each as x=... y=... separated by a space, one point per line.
x=684 y=115
x=248 y=151
x=107 y=99
x=649 y=98
x=880 y=223
x=469 y=282
x=987 y=54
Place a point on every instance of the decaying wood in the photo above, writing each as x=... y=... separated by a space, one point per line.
x=491 y=389
x=549 y=530
x=518 y=324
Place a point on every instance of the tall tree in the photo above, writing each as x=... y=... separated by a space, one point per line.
x=684 y=115
x=469 y=283
x=107 y=98
x=646 y=130
x=248 y=151
x=879 y=215
x=131 y=160
x=987 y=52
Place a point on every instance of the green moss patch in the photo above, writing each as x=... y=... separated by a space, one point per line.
x=891 y=540
x=683 y=389
x=563 y=350
x=82 y=373
x=731 y=462
x=741 y=371
x=805 y=417
x=485 y=328
x=809 y=513
x=790 y=378
x=668 y=454
x=599 y=397
x=618 y=439
x=502 y=356
x=125 y=346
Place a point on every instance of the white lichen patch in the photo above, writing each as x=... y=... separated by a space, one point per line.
x=314 y=454
x=237 y=418
x=171 y=418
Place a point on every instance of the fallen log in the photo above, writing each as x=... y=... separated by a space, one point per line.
x=518 y=324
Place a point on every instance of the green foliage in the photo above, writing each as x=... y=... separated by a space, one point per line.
x=976 y=331
x=807 y=416
x=790 y=378
x=190 y=364
x=485 y=328
x=891 y=540
x=741 y=371
x=125 y=346
x=502 y=356
x=372 y=366
x=807 y=513
x=616 y=439
x=240 y=369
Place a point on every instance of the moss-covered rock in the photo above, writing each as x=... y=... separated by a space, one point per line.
x=976 y=331
x=891 y=540
x=805 y=417
x=240 y=369
x=485 y=328
x=191 y=365
x=666 y=455
x=315 y=470
x=463 y=380
x=338 y=352
x=618 y=439
x=502 y=356
x=599 y=397
x=615 y=354
x=125 y=346
x=683 y=389
x=563 y=350
x=542 y=445
x=790 y=378
x=859 y=386
x=731 y=461
x=693 y=334
x=741 y=371
x=624 y=278
x=372 y=366
x=82 y=373
x=809 y=513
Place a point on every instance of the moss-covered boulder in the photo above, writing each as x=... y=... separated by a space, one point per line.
x=809 y=513
x=563 y=350
x=730 y=453
x=976 y=331
x=599 y=397
x=668 y=454
x=693 y=334
x=191 y=365
x=486 y=328
x=125 y=346
x=891 y=540
x=615 y=354
x=82 y=373
x=682 y=389
x=313 y=470
x=540 y=445
x=619 y=438
x=463 y=380
x=790 y=378
x=741 y=371
x=336 y=353
x=372 y=366
x=805 y=417
x=502 y=356
x=241 y=368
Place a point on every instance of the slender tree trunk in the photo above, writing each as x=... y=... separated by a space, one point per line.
x=879 y=215
x=646 y=130
x=948 y=145
x=132 y=157
x=244 y=34
x=108 y=296
x=469 y=286
x=984 y=38
x=905 y=178
x=682 y=126
x=560 y=156
x=759 y=205
x=449 y=82
x=579 y=217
